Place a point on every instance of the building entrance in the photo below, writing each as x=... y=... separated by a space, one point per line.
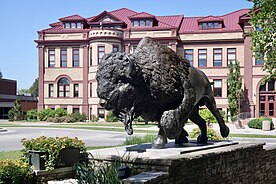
x=267 y=99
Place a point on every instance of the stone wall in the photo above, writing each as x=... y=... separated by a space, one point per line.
x=240 y=163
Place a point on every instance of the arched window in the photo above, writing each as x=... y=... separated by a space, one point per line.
x=63 y=87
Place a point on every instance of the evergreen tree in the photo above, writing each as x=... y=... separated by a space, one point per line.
x=234 y=87
x=1 y=75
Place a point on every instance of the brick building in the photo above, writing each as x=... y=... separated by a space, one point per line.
x=8 y=96
x=70 y=50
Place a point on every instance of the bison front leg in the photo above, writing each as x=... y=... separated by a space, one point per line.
x=161 y=140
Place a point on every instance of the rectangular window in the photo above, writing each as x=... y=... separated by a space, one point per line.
x=51 y=90
x=210 y=25
x=73 y=25
x=115 y=48
x=76 y=90
x=188 y=54
x=67 y=25
x=101 y=52
x=76 y=110
x=51 y=58
x=78 y=25
x=217 y=87
x=101 y=113
x=202 y=57
x=76 y=58
x=204 y=25
x=216 y=24
x=231 y=55
x=90 y=50
x=142 y=23
x=63 y=57
x=90 y=89
x=259 y=61
x=148 y=22
x=217 y=57
x=135 y=23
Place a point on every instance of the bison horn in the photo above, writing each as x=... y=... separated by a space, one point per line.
x=131 y=66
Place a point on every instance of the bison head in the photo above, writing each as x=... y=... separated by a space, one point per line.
x=116 y=86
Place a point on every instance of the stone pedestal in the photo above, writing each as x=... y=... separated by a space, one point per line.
x=217 y=162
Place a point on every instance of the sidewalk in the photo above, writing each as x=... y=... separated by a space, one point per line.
x=188 y=127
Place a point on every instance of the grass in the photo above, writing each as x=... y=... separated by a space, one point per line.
x=252 y=136
x=148 y=138
x=14 y=155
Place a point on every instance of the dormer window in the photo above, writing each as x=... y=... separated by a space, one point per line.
x=73 y=25
x=211 y=25
x=210 y=22
x=141 y=23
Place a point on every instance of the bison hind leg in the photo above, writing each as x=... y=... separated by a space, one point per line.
x=198 y=120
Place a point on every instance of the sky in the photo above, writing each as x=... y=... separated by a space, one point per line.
x=21 y=19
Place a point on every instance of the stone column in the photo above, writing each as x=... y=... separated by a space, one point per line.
x=248 y=105
x=127 y=48
x=85 y=80
x=41 y=71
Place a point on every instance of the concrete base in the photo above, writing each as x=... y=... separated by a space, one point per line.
x=145 y=151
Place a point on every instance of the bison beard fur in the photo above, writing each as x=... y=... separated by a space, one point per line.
x=158 y=85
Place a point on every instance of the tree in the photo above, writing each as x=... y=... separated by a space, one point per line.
x=34 y=88
x=15 y=113
x=234 y=88
x=1 y=75
x=264 y=34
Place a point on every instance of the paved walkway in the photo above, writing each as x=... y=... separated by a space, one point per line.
x=188 y=127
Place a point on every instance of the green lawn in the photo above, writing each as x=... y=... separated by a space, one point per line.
x=14 y=155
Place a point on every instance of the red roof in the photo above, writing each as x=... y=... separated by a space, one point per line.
x=210 y=18
x=72 y=18
x=141 y=15
x=173 y=21
x=123 y=14
x=185 y=25
x=230 y=21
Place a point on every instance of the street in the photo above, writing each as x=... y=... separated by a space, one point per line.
x=10 y=140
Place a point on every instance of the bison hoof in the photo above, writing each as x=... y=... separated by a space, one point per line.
x=181 y=140
x=202 y=139
x=159 y=142
x=224 y=133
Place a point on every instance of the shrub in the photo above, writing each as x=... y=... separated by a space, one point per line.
x=148 y=138
x=50 y=119
x=60 y=112
x=68 y=119
x=257 y=123
x=59 y=119
x=110 y=117
x=208 y=116
x=15 y=171
x=32 y=114
x=95 y=172
x=211 y=134
x=139 y=119
x=94 y=118
x=51 y=146
x=78 y=117
x=46 y=113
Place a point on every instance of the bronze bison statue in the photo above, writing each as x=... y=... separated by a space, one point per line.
x=158 y=85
